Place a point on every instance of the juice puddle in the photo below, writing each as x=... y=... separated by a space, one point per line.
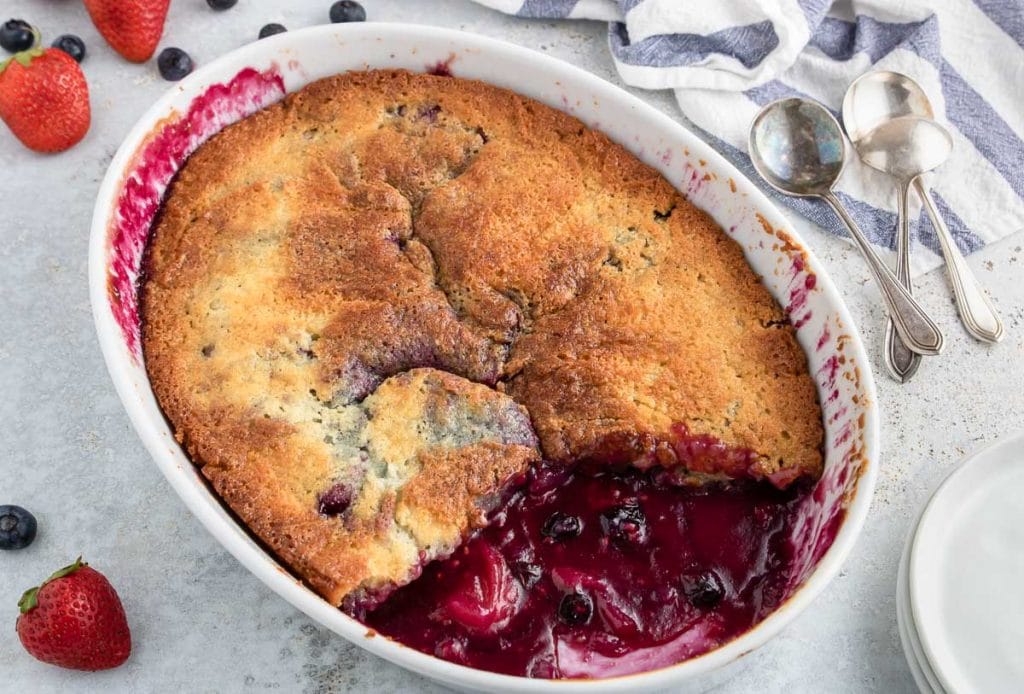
x=597 y=574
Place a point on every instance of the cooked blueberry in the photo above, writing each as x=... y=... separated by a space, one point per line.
x=625 y=524
x=561 y=526
x=72 y=45
x=221 y=5
x=544 y=478
x=452 y=648
x=17 y=35
x=527 y=572
x=703 y=589
x=575 y=609
x=271 y=29
x=347 y=11
x=174 y=64
x=17 y=527
x=429 y=113
x=335 y=501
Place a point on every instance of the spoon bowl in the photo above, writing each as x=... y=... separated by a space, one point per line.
x=798 y=147
x=906 y=147
x=881 y=96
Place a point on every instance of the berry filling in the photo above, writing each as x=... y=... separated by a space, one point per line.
x=601 y=571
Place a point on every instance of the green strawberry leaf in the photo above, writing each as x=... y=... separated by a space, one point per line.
x=66 y=571
x=24 y=58
x=30 y=598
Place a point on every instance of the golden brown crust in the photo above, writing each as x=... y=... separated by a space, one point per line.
x=337 y=284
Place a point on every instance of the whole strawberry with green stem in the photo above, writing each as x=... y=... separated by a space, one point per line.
x=75 y=620
x=44 y=99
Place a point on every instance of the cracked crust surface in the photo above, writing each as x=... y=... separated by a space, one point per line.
x=359 y=298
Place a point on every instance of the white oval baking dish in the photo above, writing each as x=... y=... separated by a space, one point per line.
x=246 y=79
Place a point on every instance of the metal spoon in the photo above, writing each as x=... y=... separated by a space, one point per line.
x=798 y=148
x=904 y=147
x=880 y=97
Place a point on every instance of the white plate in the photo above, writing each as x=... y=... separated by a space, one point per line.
x=966 y=574
x=920 y=668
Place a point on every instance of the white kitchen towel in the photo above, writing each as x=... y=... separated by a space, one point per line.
x=725 y=59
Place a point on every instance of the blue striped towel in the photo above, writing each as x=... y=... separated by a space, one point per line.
x=725 y=59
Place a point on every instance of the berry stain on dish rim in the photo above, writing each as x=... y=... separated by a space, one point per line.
x=153 y=167
x=799 y=531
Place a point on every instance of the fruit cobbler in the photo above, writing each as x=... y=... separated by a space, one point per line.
x=480 y=377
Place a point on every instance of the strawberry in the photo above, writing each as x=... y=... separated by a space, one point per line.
x=132 y=27
x=75 y=620
x=44 y=99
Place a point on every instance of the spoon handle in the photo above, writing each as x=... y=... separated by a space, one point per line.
x=901 y=362
x=976 y=311
x=918 y=331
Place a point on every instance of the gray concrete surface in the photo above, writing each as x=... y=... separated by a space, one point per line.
x=203 y=623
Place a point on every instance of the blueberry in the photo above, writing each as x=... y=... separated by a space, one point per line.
x=428 y=113
x=347 y=11
x=703 y=589
x=17 y=35
x=221 y=4
x=72 y=45
x=335 y=501
x=575 y=609
x=452 y=648
x=561 y=526
x=625 y=524
x=271 y=29
x=17 y=527
x=174 y=64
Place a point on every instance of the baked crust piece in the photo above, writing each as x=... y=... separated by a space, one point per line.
x=356 y=301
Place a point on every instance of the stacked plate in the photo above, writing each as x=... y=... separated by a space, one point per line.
x=960 y=590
